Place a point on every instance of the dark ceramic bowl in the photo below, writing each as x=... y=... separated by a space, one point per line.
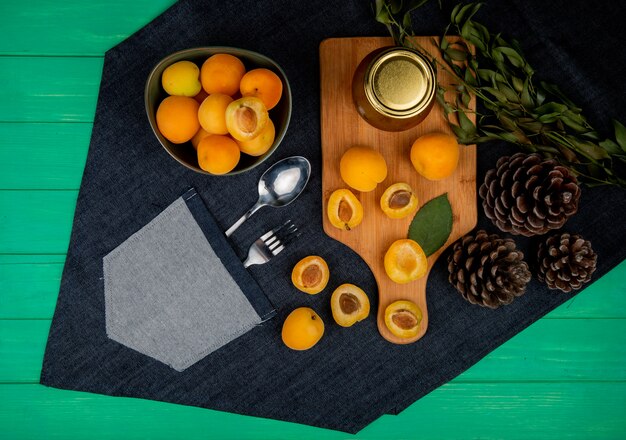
x=185 y=153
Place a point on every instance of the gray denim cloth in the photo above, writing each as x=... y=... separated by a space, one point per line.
x=169 y=296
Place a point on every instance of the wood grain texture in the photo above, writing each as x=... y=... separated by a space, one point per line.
x=343 y=128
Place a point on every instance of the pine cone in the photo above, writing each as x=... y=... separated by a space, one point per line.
x=487 y=270
x=566 y=262
x=528 y=195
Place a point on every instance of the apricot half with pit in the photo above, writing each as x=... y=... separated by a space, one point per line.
x=398 y=201
x=344 y=210
x=302 y=329
x=403 y=318
x=349 y=304
x=246 y=118
x=405 y=261
x=310 y=275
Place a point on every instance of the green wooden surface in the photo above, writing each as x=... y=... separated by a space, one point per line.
x=563 y=377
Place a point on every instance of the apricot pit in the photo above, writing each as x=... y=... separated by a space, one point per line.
x=344 y=209
x=310 y=275
x=398 y=201
x=349 y=305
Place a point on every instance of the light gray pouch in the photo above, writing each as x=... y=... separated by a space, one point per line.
x=176 y=291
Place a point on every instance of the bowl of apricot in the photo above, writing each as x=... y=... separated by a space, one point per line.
x=218 y=110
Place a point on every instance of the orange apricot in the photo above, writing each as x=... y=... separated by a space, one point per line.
x=260 y=144
x=264 y=84
x=200 y=134
x=362 y=168
x=222 y=73
x=177 y=118
x=212 y=113
x=405 y=261
x=302 y=329
x=344 y=210
x=398 y=200
x=310 y=275
x=349 y=305
x=246 y=118
x=218 y=154
x=403 y=318
x=435 y=155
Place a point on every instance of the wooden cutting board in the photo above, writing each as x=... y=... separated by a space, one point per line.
x=342 y=128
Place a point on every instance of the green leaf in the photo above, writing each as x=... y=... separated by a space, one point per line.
x=611 y=147
x=432 y=224
x=456 y=55
x=620 y=134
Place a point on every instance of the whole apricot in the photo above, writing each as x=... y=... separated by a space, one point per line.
x=264 y=84
x=310 y=274
x=405 y=261
x=260 y=144
x=222 y=73
x=181 y=79
x=435 y=155
x=218 y=154
x=177 y=118
x=362 y=168
x=349 y=305
x=398 y=200
x=200 y=134
x=344 y=210
x=246 y=118
x=212 y=113
x=403 y=318
x=302 y=329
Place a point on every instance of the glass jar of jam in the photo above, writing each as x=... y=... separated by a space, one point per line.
x=393 y=88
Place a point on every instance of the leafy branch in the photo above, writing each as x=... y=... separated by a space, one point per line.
x=537 y=117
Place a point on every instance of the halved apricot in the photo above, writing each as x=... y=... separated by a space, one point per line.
x=310 y=274
x=302 y=329
x=403 y=318
x=260 y=144
x=405 y=261
x=349 y=305
x=344 y=209
x=398 y=200
x=246 y=118
x=264 y=84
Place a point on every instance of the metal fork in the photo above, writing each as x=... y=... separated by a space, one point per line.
x=271 y=243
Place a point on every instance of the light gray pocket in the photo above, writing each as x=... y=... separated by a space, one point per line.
x=170 y=296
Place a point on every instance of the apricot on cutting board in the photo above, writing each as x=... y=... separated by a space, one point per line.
x=246 y=118
x=403 y=318
x=344 y=210
x=405 y=261
x=349 y=305
x=398 y=201
x=302 y=329
x=362 y=168
x=310 y=274
x=435 y=155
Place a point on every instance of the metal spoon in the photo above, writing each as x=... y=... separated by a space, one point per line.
x=279 y=185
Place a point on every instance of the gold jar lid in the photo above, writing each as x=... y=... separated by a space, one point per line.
x=400 y=83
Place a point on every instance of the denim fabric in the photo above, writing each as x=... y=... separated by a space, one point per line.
x=353 y=375
x=171 y=295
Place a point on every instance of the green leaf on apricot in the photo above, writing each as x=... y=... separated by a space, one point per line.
x=432 y=224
